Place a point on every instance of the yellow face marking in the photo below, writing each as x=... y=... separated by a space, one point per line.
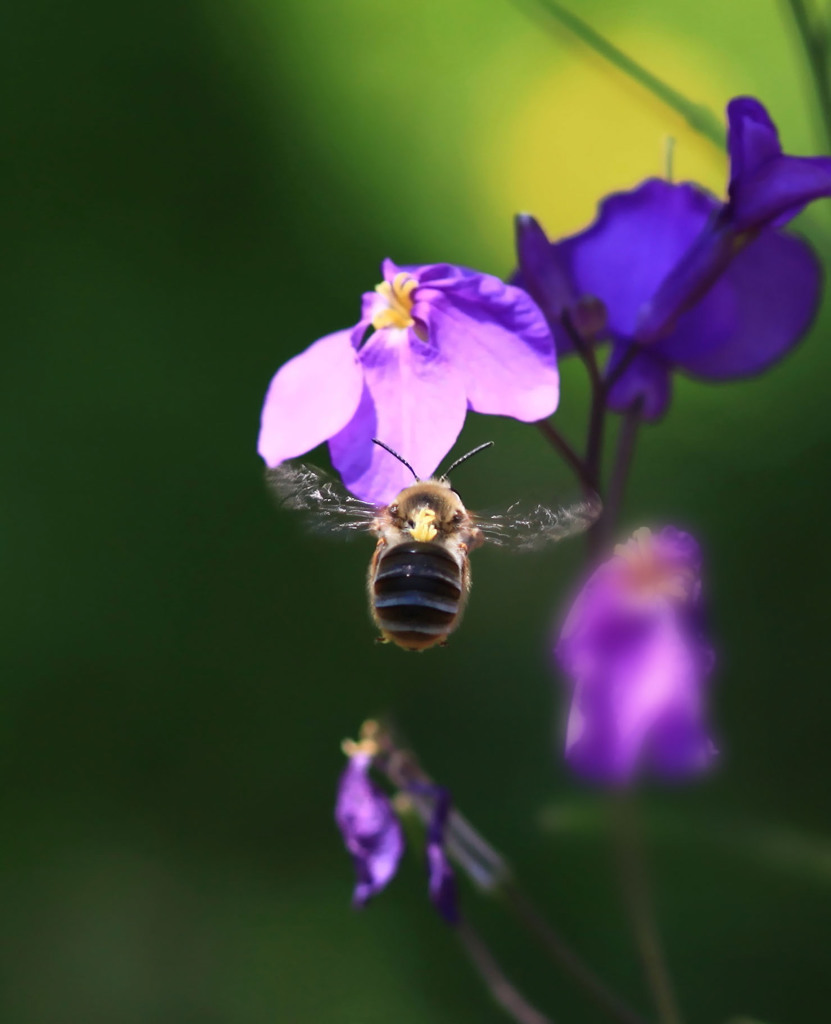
x=424 y=528
x=399 y=302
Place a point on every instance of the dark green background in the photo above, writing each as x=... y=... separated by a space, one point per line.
x=182 y=662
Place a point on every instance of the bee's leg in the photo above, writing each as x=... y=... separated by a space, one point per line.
x=382 y=639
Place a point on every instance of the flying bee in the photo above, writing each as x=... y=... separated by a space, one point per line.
x=419 y=576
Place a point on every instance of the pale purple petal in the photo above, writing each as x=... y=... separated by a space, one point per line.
x=414 y=401
x=753 y=315
x=310 y=398
x=371 y=831
x=497 y=340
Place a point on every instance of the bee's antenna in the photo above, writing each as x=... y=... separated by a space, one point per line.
x=464 y=458
x=402 y=460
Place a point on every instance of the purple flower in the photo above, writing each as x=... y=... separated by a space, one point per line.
x=370 y=829
x=441 y=880
x=635 y=654
x=373 y=834
x=713 y=289
x=445 y=340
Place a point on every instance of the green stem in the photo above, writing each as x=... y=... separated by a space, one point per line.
x=512 y=1001
x=626 y=442
x=597 y=417
x=559 y=950
x=634 y=873
x=559 y=443
x=815 y=46
x=490 y=872
x=638 y=897
x=699 y=117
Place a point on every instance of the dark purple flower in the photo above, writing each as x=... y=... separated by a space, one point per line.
x=445 y=340
x=441 y=880
x=370 y=829
x=713 y=289
x=767 y=186
x=634 y=651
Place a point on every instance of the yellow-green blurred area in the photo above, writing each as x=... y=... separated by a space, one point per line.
x=192 y=193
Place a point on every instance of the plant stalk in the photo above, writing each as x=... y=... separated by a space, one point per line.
x=638 y=896
x=504 y=992
x=488 y=869
x=815 y=45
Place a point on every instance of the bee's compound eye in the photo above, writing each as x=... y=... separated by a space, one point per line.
x=393 y=510
x=458 y=517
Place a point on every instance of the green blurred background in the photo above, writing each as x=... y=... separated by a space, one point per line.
x=193 y=192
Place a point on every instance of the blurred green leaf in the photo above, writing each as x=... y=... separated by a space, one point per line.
x=697 y=116
x=774 y=846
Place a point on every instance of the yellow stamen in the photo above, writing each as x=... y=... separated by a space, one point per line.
x=402 y=804
x=370 y=729
x=649 y=575
x=399 y=302
x=424 y=528
x=352 y=749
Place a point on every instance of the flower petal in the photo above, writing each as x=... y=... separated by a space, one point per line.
x=646 y=379
x=752 y=138
x=753 y=315
x=767 y=186
x=543 y=273
x=310 y=398
x=371 y=831
x=690 y=279
x=778 y=191
x=496 y=338
x=442 y=886
x=414 y=401
x=441 y=879
x=634 y=650
x=643 y=696
x=637 y=240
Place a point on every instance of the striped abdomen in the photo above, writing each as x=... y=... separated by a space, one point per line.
x=416 y=593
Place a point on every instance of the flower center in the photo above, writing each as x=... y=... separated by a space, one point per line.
x=398 y=302
x=367 y=745
x=649 y=574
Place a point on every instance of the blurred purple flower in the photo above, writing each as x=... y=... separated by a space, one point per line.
x=710 y=288
x=445 y=340
x=370 y=829
x=634 y=651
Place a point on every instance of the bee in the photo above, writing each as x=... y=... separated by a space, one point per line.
x=419 y=576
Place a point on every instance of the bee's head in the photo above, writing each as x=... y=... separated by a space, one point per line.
x=429 y=508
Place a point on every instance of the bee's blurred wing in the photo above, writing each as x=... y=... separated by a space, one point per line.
x=325 y=506
x=528 y=528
